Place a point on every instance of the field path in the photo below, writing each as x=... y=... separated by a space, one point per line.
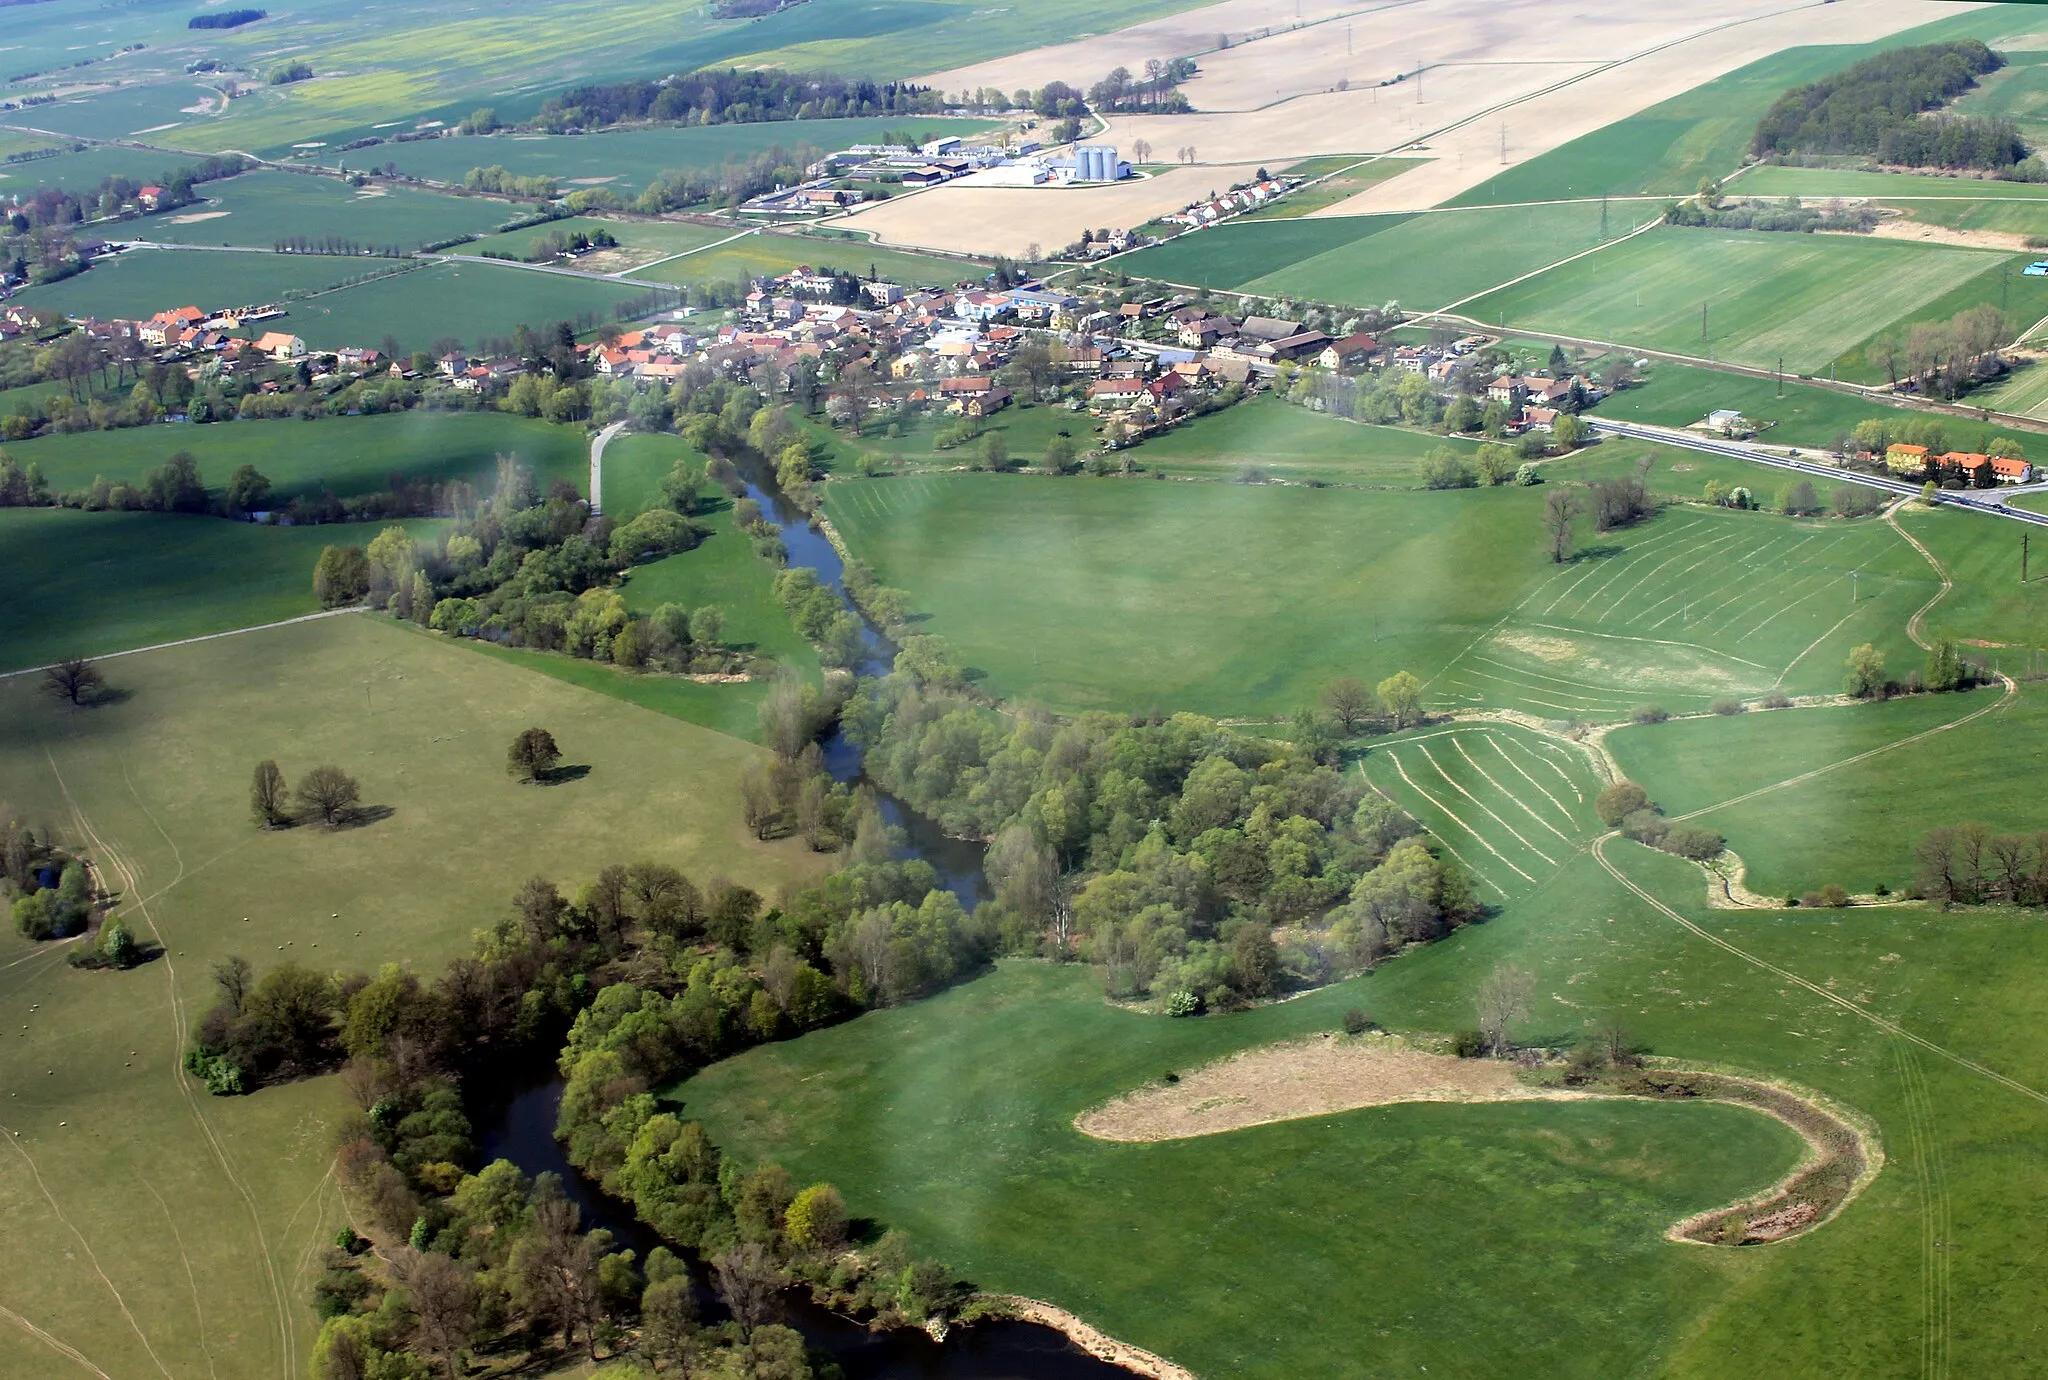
x=188 y=641
x=53 y=1343
x=131 y=886
x=1889 y=1027
x=597 y=445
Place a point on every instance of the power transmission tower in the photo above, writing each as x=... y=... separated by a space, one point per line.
x=1781 y=376
x=1703 y=323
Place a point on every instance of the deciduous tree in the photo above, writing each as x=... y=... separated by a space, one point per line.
x=267 y=795
x=1561 y=508
x=1503 y=999
x=329 y=793
x=1348 y=701
x=1401 y=693
x=533 y=755
x=76 y=681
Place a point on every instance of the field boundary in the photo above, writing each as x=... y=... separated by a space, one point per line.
x=188 y=641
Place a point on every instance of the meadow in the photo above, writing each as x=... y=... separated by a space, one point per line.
x=725 y=573
x=1805 y=299
x=347 y=455
x=1294 y=444
x=628 y=160
x=125 y=112
x=470 y=302
x=1223 y=599
x=83 y=584
x=177 y=1187
x=1230 y=255
x=766 y=254
x=1233 y=1253
x=640 y=240
x=1026 y=432
x=83 y=168
x=260 y=208
x=1854 y=825
x=1765 y=179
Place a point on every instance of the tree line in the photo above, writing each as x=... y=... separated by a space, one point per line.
x=712 y=96
x=1969 y=864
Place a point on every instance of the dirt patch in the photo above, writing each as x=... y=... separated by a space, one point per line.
x=194 y=217
x=1325 y=1074
x=1918 y=232
x=1312 y=1077
x=1092 y=1340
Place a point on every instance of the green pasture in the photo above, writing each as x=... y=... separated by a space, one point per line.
x=261 y=208
x=635 y=463
x=1342 y=179
x=1511 y=805
x=347 y=455
x=1430 y=261
x=2018 y=92
x=1854 y=825
x=725 y=572
x=84 y=168
x=80 y=584
x=206 y=1217
x=1026 y=431
x=767 y=255
x=142 y=282
x=1292 y=443
x=2024 y=392
x=1223 y=599
x=1705 y=132
x=157 y=112
x=628 y=160
x=1244 y=600
x=1351 y=1245
x=1805 y=299
x=1230 y=255
x=472 y=302
x=1674 y=394
x=1989 y=604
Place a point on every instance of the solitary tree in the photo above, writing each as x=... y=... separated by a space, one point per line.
x=1503 y=1000
x=1619 y=801
x=1560 y=508
x=1401 y=693
x=329 y=793
x=1348 y=701
x=1944 y=665
x=77 y=682
x=1866 y=673
x=267 y=795
x=533 y=755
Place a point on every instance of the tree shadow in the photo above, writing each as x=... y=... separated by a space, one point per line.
x=362 y=817
x=106 y=696
x=556 y=776
x=1599 y=553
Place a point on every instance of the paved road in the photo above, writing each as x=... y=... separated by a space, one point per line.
x=597 y=445
x=1991 y=501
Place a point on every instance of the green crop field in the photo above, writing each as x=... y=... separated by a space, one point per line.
x=1767 y=180
x=1230 y=255
x=1433 y=260
x=766 y=254
x=1808 y=299
x=262 y=208
x=471 y=302
x=1989 y=604
x=1854 y=825
x=80 y=584
x=1706 y=131
x=1513 y=806
x=2018 y=93
x=643 y=239
x=1232 y=1254
x=126 y=112
x=348 y=455
x=2024 y=392
x=83 y=168
x=1292 y=443
x=144 y=281
x=627 y=160
x=203 y=1216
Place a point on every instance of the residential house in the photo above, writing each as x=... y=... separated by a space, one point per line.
x=1905 y=459
x=1354 y=351
x=1039 y=304
x=1507 y=390
x=883 y=294
x=455 y=363
x=280 y=346
x=980 y=306
x=1105 y=394
x=149 y=198
x=1202 y=330
x=987 y=404
x=2012 y=470
x=1413 y=359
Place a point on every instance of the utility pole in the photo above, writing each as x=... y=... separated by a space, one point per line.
x=1418 y=81
x=1703 y=323
x=1781 y=376
x=2024 y=534
x=1603 y=215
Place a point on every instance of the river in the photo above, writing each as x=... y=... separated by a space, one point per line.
x=520 y=1125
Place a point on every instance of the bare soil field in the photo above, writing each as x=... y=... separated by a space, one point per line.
x=1009 y=220
x=1904 y=228
x=1703 y=45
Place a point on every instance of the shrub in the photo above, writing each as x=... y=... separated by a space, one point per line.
x=1468 y=1044
x=1527 y=474
x=1728 y=706
x=1619 y=801
x=1778 y=702
x=1649 y=714
x=1182 y=1002
x=1646 y=826
x=1831 y=896
x=1691 y=841
x=1356 y=1022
